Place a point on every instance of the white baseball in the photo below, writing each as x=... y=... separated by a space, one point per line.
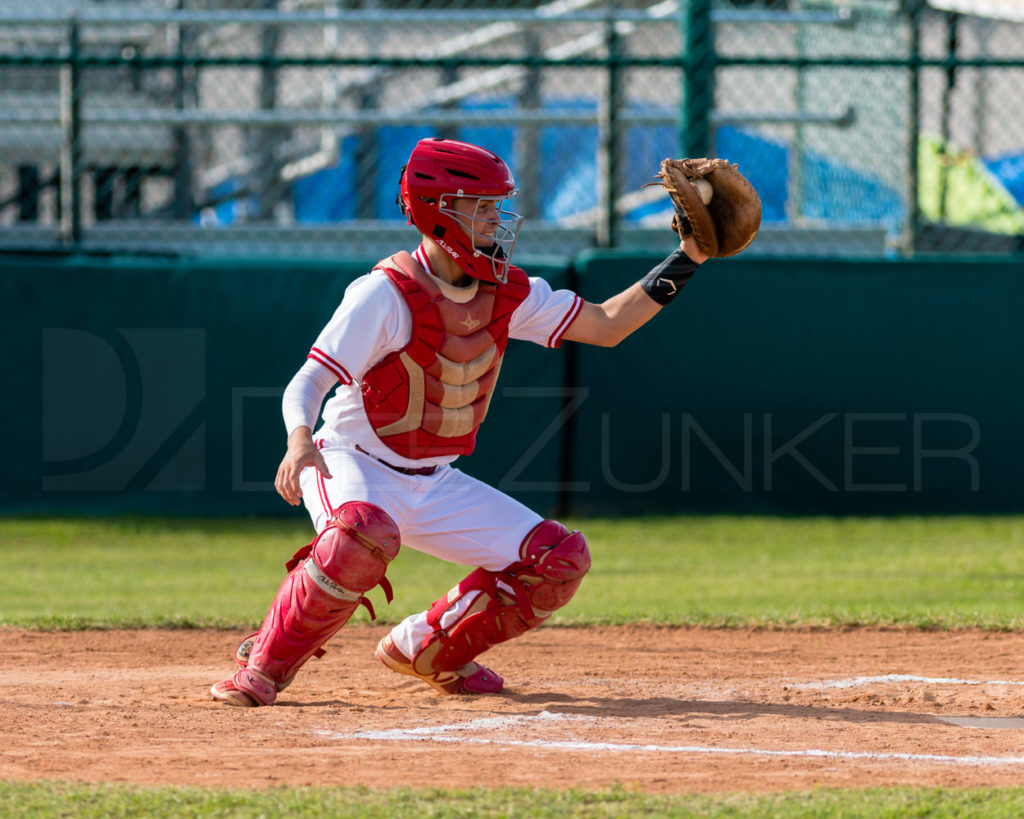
x=704 y=189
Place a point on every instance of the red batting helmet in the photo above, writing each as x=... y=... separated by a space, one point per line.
x=442 y=170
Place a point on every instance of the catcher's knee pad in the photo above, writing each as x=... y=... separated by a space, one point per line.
x=488 y=608
x=326 y=583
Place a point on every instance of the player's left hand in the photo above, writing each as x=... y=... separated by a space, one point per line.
x=692 y=250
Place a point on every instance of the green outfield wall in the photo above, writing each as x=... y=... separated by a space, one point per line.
x=838 y=387
x=153 y=384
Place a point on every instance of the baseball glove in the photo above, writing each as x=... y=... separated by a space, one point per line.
x=714 y=202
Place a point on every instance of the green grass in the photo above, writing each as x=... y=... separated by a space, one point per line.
x=918 y=572
x=42 y=800
x=719 y=571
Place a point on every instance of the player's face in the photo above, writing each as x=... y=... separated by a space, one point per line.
x=480 y=217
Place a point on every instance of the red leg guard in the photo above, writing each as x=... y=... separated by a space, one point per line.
x=318 y=596
x=508 y=603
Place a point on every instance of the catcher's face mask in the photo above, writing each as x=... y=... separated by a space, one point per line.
x=492 y=230
x=455 y=194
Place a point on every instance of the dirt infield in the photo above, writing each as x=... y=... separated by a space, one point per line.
x=655 y=709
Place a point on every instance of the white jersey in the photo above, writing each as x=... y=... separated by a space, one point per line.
x=446 y=513
x=373 y=321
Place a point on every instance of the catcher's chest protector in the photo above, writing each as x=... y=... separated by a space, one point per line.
x=430 y=397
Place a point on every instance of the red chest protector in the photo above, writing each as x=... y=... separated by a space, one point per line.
x=429 y=398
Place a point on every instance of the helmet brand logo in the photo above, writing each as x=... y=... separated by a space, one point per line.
x=448 y=249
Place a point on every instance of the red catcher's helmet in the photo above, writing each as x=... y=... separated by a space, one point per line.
x=442 y=170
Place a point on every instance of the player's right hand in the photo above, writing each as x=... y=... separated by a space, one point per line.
x=301 y=453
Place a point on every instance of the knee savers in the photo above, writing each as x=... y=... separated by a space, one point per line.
x=553 y=563
x=326 y=583
x=488 y=608
x=351 y=555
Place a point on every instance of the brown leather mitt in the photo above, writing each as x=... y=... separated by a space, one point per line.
x=729 y=220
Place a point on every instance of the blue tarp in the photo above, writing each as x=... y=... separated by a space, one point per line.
x=830 y=191
x=1009 y=170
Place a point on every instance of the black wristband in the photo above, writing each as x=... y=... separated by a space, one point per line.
x=665 y=281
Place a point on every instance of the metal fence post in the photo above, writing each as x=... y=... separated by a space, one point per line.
x=608 y=143
x=71 y=141
x=266 y=183
x=952 y=38
x=916 y=9
x=527 y=149
x=698 y=37
x=184 y=98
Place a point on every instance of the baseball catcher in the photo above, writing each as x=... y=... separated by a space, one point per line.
x=413 y=354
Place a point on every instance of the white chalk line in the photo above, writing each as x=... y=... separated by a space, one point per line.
x=456 y=733
x=855 y=682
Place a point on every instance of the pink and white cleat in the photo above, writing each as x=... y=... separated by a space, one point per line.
x=246 y=688
x=472 y=678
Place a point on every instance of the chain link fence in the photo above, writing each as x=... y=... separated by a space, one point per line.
x=278 y=127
